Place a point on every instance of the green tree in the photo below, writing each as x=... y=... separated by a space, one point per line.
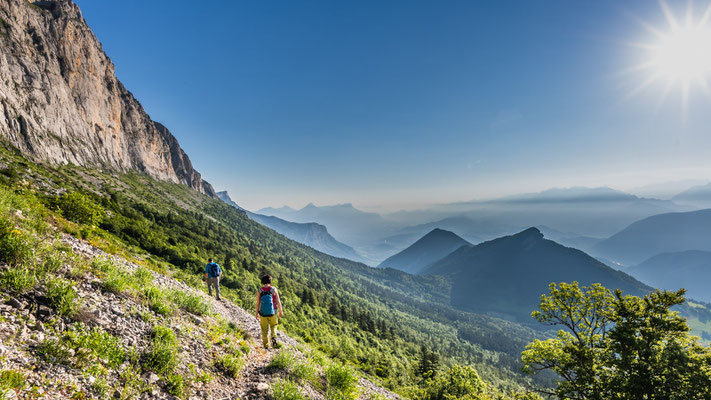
x=457 y=383
x=80 y=209
x=618 y=347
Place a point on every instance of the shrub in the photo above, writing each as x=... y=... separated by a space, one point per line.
x=78 y=208
x=15 y=246
x=175 y=384
x=87 y=346
x=286 y=390
x=342 y=378
x=62 y=296
x=231 y=364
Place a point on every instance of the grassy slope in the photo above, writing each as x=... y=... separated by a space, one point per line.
x=375 y=319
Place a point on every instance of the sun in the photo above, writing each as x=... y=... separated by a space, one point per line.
x=679 y=55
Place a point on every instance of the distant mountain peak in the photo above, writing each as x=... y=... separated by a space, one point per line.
x=435 y=245
x=530 y=233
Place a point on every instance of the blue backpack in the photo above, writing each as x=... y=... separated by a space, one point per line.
x=215 y=270
x=266 y=302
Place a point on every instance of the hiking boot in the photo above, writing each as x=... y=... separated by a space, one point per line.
x=274 y=342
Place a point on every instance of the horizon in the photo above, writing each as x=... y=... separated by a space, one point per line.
x=409 y=104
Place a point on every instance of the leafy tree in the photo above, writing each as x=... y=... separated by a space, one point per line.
x=618 y=347
x=427 y=364
x=457 y=383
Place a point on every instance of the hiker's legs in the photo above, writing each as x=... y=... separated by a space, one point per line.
x=210 y=283
x=273 y=322
x=264 y=324
x=217 y=287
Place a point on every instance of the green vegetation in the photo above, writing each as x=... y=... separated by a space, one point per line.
x=162 y=357
x=619 y=347
x=11 y=380
x=284 y=360
x=175 y=385
x=231 y=364
x=283 y=389
x=80 y=347
x=62 y=296
x=341 y=381
x=359 y=320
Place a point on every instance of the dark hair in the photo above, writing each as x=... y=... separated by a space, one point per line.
x=266 y=279
x=209 y=260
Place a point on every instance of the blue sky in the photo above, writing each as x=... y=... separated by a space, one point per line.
x=402 y=103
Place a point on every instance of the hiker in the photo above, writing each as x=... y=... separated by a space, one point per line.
x=213 y=273
x=267 y=300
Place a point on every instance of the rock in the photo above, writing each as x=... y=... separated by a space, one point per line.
x=197 y=320
x=44 y=312
x=153 y=378
x=15 y=303
x=262 y=386
x=59 y=87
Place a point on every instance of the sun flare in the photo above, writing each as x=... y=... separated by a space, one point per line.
x=679 y=55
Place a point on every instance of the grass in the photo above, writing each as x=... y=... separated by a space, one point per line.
x=157 y=301
x=175 y=384
x=11 y=380
x=62 y=296
x=83 y=347
x=162 y=357
x=283 y=389
x=231 y=364
x=190 y=302
x=341 y=379
x=305 y=372
x=284 y=360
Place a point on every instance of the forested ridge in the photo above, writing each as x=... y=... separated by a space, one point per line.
x=377 y=320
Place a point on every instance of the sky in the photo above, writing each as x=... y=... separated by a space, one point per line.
x=399 y=104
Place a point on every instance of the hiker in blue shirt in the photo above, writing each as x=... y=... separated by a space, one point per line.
x=213 y=273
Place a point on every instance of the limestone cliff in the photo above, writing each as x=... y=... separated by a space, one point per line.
x=60 y=101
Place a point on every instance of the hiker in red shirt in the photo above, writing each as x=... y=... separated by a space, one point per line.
x=267 y=300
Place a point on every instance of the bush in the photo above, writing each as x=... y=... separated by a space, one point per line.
x=15 y=246
x=231 y=364
x=286 y=390
x=342 y=378
x=117 y=281
x=175 y=384
x=62 y=296
x=78 y=208
x=87 y=346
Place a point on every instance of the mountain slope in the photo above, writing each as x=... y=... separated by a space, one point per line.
x=310 y=234
x=687 y=269
x=698 y=195
x=61 y=102
x=428 y=249
x=506 y=276
x=664 y=233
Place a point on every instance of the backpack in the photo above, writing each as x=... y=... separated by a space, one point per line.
x=215 y=270
x=266 y=302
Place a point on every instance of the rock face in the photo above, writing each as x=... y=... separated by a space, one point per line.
x=60 y=101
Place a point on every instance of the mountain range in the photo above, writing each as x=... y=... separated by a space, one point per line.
x=310 y=234
x=664 y=233
x=506 y=276
x=433 y=246
x=689 y=269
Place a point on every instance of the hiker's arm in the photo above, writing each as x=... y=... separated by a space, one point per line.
x=256 y=312
x=278 y=302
